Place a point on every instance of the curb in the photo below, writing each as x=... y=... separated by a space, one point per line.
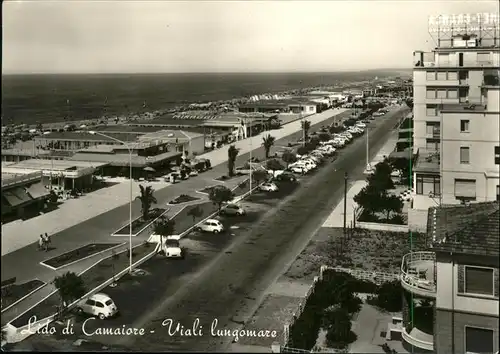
x=81 y=259
x=114 y=234
x=25 y=296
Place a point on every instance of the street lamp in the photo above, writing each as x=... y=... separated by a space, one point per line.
x=131 y=190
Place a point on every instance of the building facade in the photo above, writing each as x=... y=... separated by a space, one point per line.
x=456 y=121
x=451 y=292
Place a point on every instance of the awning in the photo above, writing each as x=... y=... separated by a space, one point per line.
x=38 y=190
x=17 y=196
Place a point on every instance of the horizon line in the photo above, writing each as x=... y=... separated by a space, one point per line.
x=204 y=72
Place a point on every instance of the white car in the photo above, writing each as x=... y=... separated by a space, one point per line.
x=193 y=173
x=172 y=247
x=99 y=305
x=233 y=209
x=361 y=125
x=299 y=169
x=211 y=225
x=309 y=163
x=269 y=187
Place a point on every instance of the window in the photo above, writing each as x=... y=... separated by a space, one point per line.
x=432 y=110
x=452 y=94
x=479 y=280
x=464 y=126
x=432 y=144
x=427 y=184
x=99 y=304
x=431 y=75
x=429 y=128
x=441 y=94
x=441 y=75
x=478 y=340
x=431 y=94
x=452 y=75
x=90 y=302
x=465 y=189
x=464 y=155
x=497 y=155
x=483 y=57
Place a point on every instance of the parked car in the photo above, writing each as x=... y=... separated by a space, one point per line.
x=299 y=169
x=193 y=173
x=269 y=187
x=172 y=248
x=233 y=209
x=285 y=177
x=361 y=125
x=99 y=305
x=211 y=225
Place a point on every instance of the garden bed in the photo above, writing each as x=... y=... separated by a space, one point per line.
x=396 y=219
x=16 y=292
x=78 y=254
x=139 y=224
x=92 y=278
x=206 y=190
x=183 y=198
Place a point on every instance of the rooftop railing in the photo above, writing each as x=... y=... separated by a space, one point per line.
x=418 y=273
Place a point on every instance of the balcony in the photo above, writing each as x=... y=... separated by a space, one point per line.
x=418 y=339
x=418 y=273
x=454 y=65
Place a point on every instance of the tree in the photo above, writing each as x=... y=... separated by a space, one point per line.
x=381 y=178
x=164 y=227
x=178 y=161
x=259 y=176
x=303 y=150
x=338 y=324
x=147 y=200
x=274 y=165
x=335 y=129
x=324 y=136
x=70 y=287
x=232 y=153
x=369 y=199
x=220 y=195
x=195 y=212
x=289 y=157
x=389 y=296
x=268 y=142
x=306 y=126
x=390 y=203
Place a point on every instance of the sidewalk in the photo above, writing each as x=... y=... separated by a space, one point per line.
x=18 y=234
x=336 y=218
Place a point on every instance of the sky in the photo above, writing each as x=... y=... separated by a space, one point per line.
x=120 y=36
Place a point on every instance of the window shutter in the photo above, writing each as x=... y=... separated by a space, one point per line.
x=461 y=279
x=495 y=272
x=465 y=188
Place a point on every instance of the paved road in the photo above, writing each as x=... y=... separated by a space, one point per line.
x=223 y=278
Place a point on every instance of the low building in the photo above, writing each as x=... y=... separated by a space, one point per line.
x=117 y=159
x=22 y=193
x=189 y=143
x=72 y=141
x=280 y=106
x=451 y=292
x=58 y=174
x=18 y=155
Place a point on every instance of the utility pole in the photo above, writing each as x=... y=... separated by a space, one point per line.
x=345 y=203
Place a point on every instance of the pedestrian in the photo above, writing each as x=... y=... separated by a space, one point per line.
x=40 y=243
x=47 y=239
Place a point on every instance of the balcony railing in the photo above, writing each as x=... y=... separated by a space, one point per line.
x=416 y=342
x=466 y=64
x=418 y=273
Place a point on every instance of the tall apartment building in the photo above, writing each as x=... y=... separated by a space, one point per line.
x=456 y=115
x=451 y=292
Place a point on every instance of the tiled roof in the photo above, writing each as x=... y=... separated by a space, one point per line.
x=472 y=229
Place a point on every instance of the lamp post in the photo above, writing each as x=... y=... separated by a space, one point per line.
x=131 y=190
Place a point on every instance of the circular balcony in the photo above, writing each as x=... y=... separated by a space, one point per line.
x=418 y=339
x=418 y=274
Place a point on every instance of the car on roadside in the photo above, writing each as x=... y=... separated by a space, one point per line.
x=210 y=225
x=233 y=209
x=193 y=173
x=99 y=305
x=169 y=245
x=360 y=125
x=285 y=177
x=302 y=169
x=268 y=187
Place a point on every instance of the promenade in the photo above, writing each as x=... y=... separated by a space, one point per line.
x=18 y=234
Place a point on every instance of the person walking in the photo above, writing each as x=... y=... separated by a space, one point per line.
x=48 y=239
x=41 y=243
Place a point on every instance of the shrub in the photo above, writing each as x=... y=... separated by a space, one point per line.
x=397 y=219
x=389 y=296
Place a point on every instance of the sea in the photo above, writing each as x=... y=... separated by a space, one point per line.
x=33 y=99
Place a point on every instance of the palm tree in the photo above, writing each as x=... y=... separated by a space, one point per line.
x=232 y=153
x=164 y=227
x=306 y=126
x=268 y=142
x=147 y=199
x=70 y=287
